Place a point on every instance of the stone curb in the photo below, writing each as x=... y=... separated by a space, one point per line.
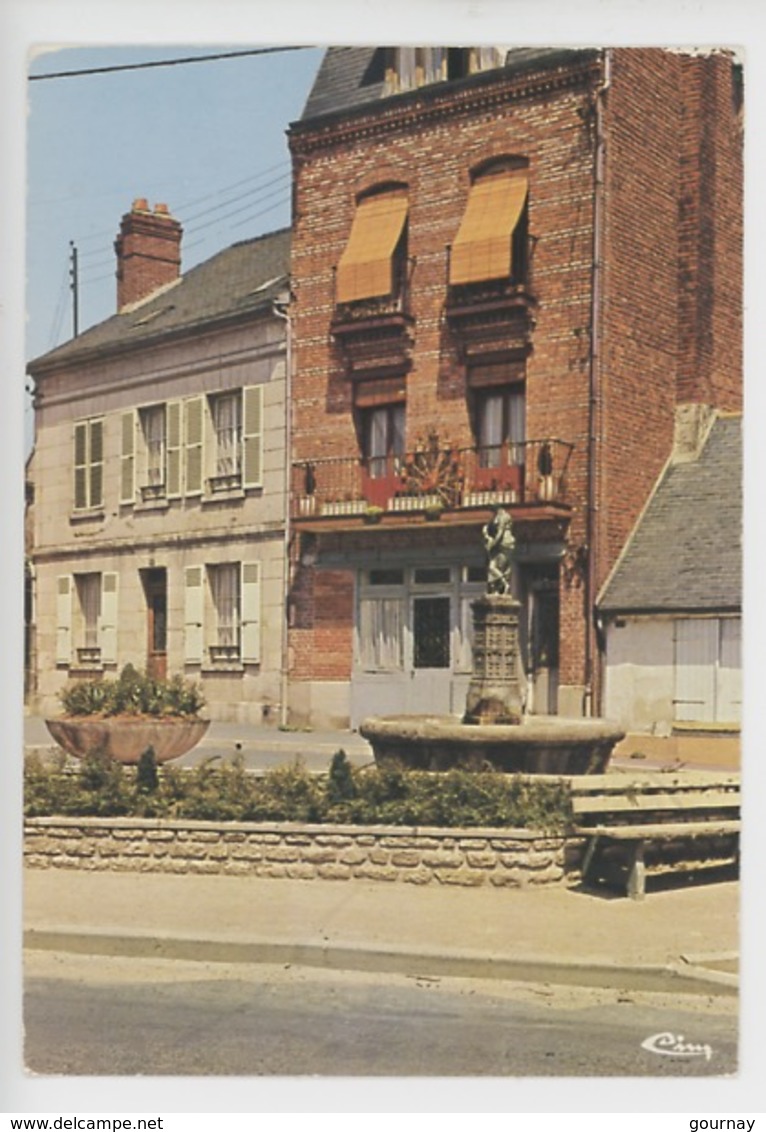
x=673 y=977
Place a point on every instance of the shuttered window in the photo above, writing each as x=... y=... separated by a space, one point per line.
x=483 y=248
x=366 y=269
x=88 y=464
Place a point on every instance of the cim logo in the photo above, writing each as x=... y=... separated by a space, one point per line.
x=675 y=1045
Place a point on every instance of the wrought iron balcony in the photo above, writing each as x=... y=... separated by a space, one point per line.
x=432 y=478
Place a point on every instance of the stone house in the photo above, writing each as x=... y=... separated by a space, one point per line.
x=159 y=533
x=513 y=272
x=671 y=611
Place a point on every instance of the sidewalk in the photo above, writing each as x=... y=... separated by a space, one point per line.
x=682 y=940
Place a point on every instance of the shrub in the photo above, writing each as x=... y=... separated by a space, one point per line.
x=132 y=693
x=226 y=791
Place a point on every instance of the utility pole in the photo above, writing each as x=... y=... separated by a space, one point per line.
x=74 y=287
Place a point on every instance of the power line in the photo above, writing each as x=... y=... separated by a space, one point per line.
x=164 y=63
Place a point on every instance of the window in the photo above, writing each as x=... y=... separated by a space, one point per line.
x=153 y=429
x=491 y=241
x=236 y=426
x=372 y=263
x=88 y=464
x=222 y=614
x=383 y=439
x=500 y=425
x=225 y=587
x=86 y=626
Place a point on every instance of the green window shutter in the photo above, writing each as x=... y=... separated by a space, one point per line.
x=173 y=432
x=194 y=604
x=107 y=630
x=251 y=612
x=252 y=436
x=80 y=465
x=96 y=455
x=128 y=458
x=64 y=619
x=193 y=434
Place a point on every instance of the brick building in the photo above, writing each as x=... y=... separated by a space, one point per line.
x=516 y=274
x=159 y=477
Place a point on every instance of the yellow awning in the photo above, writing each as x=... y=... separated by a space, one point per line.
x=365 y=270
x=482 y=248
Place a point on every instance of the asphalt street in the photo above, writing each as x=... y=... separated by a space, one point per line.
x=94 y=1016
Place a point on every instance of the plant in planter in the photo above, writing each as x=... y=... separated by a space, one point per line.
x=122 y=718
x=373 y=514
x=434 y=511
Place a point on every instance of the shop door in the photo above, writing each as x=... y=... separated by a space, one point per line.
x=156 y=590
x=431 y=662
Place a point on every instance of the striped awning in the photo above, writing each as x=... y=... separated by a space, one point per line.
x=365 y=270
x=483 y=246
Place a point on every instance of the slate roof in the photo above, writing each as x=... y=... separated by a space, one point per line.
x=343 y=80
x=236 y=282
x=685 y=553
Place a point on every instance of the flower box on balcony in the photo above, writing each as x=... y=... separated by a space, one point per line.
x=345 y=507
x=415 y=502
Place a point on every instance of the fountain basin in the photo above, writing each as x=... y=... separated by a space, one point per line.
x=125 y=739
x=537 y=745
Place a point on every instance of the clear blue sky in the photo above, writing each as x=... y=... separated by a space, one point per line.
x=207 y=138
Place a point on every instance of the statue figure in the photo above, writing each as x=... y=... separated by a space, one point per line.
x=499 y=544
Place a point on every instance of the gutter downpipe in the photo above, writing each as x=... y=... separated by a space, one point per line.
x=594 y=400
x=281 y=310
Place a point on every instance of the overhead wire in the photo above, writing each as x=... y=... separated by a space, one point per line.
x=183 y=61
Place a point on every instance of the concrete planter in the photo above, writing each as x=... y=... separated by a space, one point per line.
x=124 y=739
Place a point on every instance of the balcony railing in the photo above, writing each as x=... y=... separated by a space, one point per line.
x=532 y=472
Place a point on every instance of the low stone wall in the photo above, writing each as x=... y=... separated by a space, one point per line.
x=469 y=857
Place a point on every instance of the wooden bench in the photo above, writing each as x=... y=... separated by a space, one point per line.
x=654 y=823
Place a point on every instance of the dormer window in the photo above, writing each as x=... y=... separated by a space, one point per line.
x=491 y=241
x=372 y=264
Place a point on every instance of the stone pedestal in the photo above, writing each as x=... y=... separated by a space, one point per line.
x=494 y=694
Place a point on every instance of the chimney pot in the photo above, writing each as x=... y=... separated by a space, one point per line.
x=140 y=204
x=161 y=210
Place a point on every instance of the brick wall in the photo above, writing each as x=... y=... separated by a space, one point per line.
x=433 y=152
x=669 y=273
x=499 y=857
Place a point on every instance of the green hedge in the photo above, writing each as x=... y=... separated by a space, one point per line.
x=225 y=791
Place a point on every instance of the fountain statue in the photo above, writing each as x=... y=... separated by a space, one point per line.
x=494 y=730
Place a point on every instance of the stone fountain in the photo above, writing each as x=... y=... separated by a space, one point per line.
x=494 y=731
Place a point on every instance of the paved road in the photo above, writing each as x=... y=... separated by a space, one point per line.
x=95 y=1016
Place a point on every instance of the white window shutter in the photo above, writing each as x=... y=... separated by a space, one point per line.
x=64 y=619
x=174 y=447
x=251 y=612
x=128 y=457
x=107 y=630
x=193 y=436
x=194 y=605
x=252 y=436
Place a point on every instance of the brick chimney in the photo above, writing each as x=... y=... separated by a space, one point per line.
x=148 y=251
